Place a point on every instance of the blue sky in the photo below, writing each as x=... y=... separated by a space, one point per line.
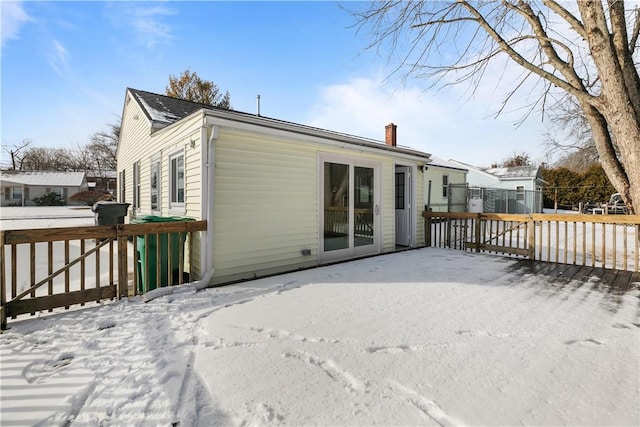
x=66 y=65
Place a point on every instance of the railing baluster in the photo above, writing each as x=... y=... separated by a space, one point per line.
x=637 y=249
x=111 y=263
x=82 y=267
x=584 y=243
x=97 y=256
x=624 y=238
x=593 y=244
x=566 y=241
x=548 y=241
x=66 y=273
x=615 y=247
x=32 y=269
x=50 y=269
x=575 y=243
x=604 y=245
x=557 y=241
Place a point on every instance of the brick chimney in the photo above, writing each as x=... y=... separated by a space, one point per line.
x=390 y=134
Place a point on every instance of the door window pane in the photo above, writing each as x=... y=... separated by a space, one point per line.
x=399 y=190
x=363 y=207
x=336 y=206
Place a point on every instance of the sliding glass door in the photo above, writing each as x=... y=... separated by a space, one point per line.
x=349 y=201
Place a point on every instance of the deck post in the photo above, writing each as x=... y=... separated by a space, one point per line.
x=427 y=231
x=123 y=268
x=531 y=238
x=478 y=226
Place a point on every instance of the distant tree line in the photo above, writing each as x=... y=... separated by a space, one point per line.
x=570 y=187
x=97 y=157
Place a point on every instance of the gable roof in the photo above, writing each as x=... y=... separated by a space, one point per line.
x=43 y=178
x=514 y=172
x=436 y=161
x=504 y=173
x=162 y=111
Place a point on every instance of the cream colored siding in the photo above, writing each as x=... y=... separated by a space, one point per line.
x=138 y=144
x=388 y=206
x=266 y=207
x=434 y=173
x=266 y=202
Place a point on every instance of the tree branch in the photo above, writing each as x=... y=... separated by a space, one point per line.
x=574 y=22
x=520 y=60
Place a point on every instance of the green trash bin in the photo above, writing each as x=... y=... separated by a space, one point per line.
x=161 y=245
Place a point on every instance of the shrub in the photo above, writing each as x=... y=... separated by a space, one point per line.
x=50 y=199
x=89 y=197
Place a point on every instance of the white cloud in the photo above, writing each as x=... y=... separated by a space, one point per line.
x=441 y=123
x=59 y=57
x=146 y=20
x=13 y=18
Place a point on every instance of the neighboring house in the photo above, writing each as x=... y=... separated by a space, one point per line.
x=521 y=188
x=439 y=176
x=277 y=196
x=105 y=182
x=19 y=188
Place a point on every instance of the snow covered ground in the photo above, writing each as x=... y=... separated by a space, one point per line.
x=424 y=337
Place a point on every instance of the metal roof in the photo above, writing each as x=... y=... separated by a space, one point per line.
x=43 y=178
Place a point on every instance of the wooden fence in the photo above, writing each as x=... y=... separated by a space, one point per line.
x=42 y=269
x=606 y=241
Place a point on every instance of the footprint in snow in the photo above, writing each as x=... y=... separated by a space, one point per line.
x=622 y=326
x=39 y=371
x=588 y=341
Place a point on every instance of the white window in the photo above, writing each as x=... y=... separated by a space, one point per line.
x=16 y=193
x=155 y=184
x=176 y=180
x=445 y=185
x=520 y=192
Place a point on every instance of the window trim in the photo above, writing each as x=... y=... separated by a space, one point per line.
x=445 y=185
x=136 y=185
x=13 y=193
x=155 y=167
x=177 y=205
x=121 y=184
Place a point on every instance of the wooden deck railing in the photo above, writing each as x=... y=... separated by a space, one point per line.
x=606 y=241
x=42 y=269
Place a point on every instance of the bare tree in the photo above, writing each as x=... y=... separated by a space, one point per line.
x=581 y=51
x=191 y=87
x=16 y=152
x=517 y=159
x=102 y=150
x=47 y=159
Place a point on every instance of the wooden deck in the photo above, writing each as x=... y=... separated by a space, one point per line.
x=607 y=280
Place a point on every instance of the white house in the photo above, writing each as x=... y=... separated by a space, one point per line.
x=439 y=177
x=277 y=196
x=521 y=188
x=19 y=188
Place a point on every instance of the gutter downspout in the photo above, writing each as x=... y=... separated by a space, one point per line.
x=208 y=132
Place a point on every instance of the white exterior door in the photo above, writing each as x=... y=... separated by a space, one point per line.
x=403 y=205
x=350 y=209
